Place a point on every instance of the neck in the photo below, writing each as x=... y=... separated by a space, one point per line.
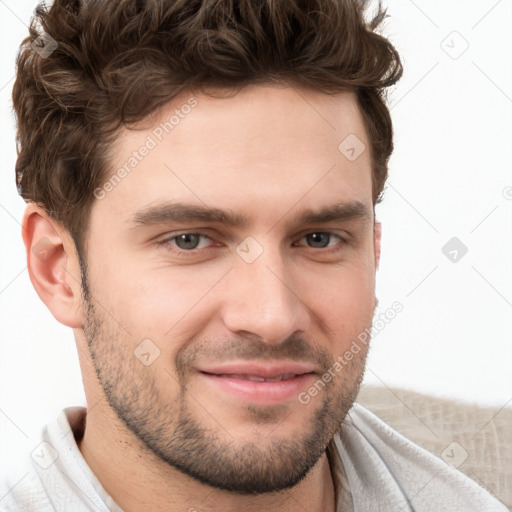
x=137 y=479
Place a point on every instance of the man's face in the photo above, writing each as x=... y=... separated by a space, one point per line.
x=204 y=331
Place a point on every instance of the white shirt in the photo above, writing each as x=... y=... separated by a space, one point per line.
x=375 y=469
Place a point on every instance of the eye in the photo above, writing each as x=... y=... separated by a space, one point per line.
x=322 y=239
x=188 y=241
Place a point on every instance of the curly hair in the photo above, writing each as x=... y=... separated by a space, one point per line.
x=89 y=68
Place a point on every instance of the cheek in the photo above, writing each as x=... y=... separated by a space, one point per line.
x=163 y=302
x=159 y=303
x=344 y=301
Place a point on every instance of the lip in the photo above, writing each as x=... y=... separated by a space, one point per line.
x=267 y=369
x=233 y=379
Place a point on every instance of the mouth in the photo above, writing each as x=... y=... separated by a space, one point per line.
x=260 y=383
x=256 y=378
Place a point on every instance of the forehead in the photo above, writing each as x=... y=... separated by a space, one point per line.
x=265 y=149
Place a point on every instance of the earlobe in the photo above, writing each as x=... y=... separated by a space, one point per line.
x=377 y=242
x=52 y=265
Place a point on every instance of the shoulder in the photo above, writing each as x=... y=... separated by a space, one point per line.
x=385 y=468
x=51 y=475
x=23 y=492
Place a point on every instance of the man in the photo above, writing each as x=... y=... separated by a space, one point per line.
x=201 y=179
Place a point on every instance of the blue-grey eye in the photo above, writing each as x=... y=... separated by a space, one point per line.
x=188 y=241
x=319 y=240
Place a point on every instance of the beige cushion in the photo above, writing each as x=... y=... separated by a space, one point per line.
x=476 y=440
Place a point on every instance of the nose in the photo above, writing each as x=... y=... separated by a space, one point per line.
x=264 y=300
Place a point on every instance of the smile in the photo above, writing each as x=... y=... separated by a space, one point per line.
x=259 y=383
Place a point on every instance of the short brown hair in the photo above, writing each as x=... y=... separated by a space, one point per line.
x=116 y=62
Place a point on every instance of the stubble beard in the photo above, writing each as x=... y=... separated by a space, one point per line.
x=210 y=455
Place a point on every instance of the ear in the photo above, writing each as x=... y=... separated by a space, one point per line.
x=377 y=233
x=53 y=265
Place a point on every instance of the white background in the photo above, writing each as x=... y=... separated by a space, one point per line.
x=450 y=176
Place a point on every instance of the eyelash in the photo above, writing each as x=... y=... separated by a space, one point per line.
x=181 y=252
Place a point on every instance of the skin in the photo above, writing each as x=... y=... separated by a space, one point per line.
x=161 y=436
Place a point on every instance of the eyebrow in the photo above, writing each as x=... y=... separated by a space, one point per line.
x=164 y=213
